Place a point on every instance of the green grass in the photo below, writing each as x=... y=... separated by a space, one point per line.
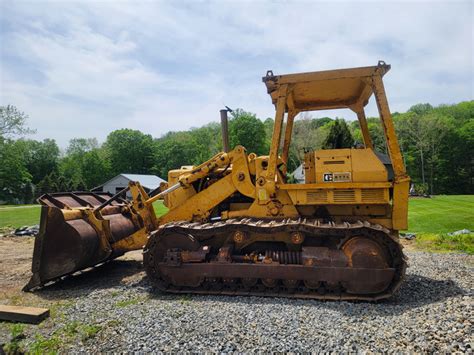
x=433 y=218
x=441 y=214
x=90 y=331
x=49 y=344
x=126 y=303
x=67 y=334
x=130 y=302
x=16 y=336
x=444 y=243
x=160 y=208
x=46 y=345
x=17 y=217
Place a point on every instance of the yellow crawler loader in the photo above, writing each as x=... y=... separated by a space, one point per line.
x=235 y=226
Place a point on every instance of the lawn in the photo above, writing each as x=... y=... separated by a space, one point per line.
x=433 y=218
x=17 y=216
x=159 y=208
x=441 y=214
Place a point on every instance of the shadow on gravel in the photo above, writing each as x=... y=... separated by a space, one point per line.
x=416 y=291
x=419 y=290
x=111 y=274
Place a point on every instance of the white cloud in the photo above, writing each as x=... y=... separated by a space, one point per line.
x=86 y=68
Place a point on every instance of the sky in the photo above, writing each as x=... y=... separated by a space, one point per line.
x=84 y=69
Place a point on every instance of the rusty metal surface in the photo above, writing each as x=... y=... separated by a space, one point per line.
x=71 y=200
x=323 y=256
x=225 y=130
x=62 y=247
x=363 y=252
x=197 y=256
x=120 y=226
x=277 y=271
x=68 y=241
x=283 y=257
x=315 y=272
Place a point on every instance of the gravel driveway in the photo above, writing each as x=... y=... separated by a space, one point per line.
x=113 y=308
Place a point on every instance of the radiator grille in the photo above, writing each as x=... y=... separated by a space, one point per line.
x=372 y=195
x=344 y=196
x=317 y=196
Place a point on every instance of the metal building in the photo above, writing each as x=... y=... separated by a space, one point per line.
x=298 y=174
x=119 y=182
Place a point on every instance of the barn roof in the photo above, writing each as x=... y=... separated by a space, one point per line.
x=148 y=181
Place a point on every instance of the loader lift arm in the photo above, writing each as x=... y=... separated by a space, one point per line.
x=238 y=179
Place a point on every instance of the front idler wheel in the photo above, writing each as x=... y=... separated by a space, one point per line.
x=366 y=253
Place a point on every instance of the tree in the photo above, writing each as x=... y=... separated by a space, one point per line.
x=79 y=185
x=85 y=165
x=436 y=152
x=28 y=193
x=320 y=122
x=69 y=171
x=306 y=135
x=375 y=132
x=339 y=136
x=437 y=131
x=207 y=141
x=13 y=121
x=465 y=161
x=420 y=109
x=453 y=163
x=268 y=124
x=81 y=145
x=45 y=186
x=173 y=151
x=130 y=151
x=41 y=158
x=60 y=182
x=414 y=134
x=247 y=130
x=95 y=169
x=461 y=112
x=15 y=179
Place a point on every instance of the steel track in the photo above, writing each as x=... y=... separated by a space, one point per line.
x=313 y=228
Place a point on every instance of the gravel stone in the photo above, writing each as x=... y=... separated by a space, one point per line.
x=431 y=312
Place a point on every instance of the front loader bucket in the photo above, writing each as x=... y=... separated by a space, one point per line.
x=75 y=235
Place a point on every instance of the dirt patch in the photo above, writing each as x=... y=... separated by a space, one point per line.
x=15 y=271
x=15 y=263
x=408 y=245
x=58 y=330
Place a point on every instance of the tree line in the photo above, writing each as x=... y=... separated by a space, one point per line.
x=437 y=144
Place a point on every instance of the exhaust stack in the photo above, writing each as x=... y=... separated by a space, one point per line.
x=225 y=129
